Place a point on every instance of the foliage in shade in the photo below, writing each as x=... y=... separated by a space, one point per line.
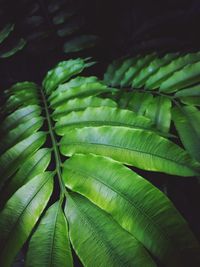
x=45 y=26
x=64 y=183
x=52 y=235
x=21 y=213
x=165 y=85
x=134 y=203
x=187 y=121
x=5 y=50
x=109 y=244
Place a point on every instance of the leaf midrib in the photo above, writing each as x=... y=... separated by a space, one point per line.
x=123 y=196
x=133 y=150
x=97 y=236
x=112 y=123
x=53 y=236
x=54 y=143
x=25 y=208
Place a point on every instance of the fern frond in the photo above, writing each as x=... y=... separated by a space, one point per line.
x=154 y=87
x=64 y=183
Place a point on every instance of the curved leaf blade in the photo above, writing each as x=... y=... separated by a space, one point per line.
x=5 y=32
x=136 y=101
x=13 y=158
x=80 y=43
x=191 y=91
x=13 y=50
x=33 y=166
x=64 y=93
x=133 y=71
x=187 y=121
x=101 y=116
x=63 y=72
x=150 y=69
x=159 y=111
x=19 y=116
x=78 y=104
x=165 y=72
x=49 y=245
x=20 y=132
x=135 y=147
x=182 y=78
x=21 y=214
x=102 y=237
x=116 y=71
x=139 y=207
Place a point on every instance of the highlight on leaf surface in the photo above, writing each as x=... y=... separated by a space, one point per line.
x=157 y=86
x=65 y=147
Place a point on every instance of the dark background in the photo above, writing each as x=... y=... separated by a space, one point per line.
x=124 y=27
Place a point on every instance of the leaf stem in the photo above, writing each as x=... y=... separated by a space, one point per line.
x=154 y=92
x=55 y=147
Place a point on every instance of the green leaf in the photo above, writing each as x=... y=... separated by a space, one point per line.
x=49 y=245
x=64 y=92
x=22 y=87
x=150 y=69
x=20 y=132
x=159 y=111
x=112 y=68
x=101 y=116
x=80 y=43
x=182 y=78
x=17 y=47
x=19 y=95
x=136 y=68
x=119 y=73
x=15 y=102
x=138 y=206
x=165 y=72
x=115 y=72
x=189 y=96
x=187 y=121
x=117 y=218
x=33 y=166
x=82 y=91
x=191 y=100
x=191 y=91
x=63 y=72
x=137 y=101
x=18 y=117
x=68 y=28
x=98 y=240
x=78 y=104
x=140 y=148
x=11 y=160
x=75 y=82
x=63 y=14
x=20 y=215
x=6 y=32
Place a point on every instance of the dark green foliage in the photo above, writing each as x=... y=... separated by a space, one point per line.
x=67 y=152
x=48 y=25
x=162 y=87
x=6 y=49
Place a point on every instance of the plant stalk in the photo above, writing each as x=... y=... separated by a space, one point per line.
x=55 y=147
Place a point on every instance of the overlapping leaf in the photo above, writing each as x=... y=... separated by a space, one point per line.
x=9 y=49
x=134 y=203
x=45 y=26
x=187 y=120
x=173 y=79
x=121 y=219
x=52 y=238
